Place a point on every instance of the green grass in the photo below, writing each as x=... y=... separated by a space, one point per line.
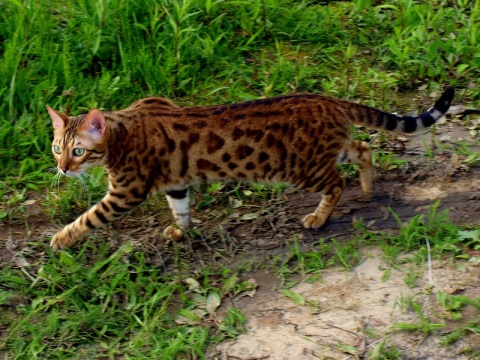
x=114 y=304
x=421 y=236
x=76 y=54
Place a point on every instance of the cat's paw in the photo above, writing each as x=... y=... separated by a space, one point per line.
x=313 y=221
x=61 y=240
x=173 y=233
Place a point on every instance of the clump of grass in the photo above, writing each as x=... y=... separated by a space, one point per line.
x=421 y=234
x=435 y=228
x=112 y=305
x=310 y=264
x=425 y=324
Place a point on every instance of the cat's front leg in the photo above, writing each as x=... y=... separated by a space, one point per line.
x=64 y=238
x=111 y=207
x=178 y=203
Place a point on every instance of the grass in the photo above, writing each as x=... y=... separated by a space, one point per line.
x=75 y=55
x=113 y=305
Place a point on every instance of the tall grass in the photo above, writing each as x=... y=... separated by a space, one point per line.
x=75 y=55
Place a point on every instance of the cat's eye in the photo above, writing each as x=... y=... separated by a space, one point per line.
x=78 y=151
x=57 y=149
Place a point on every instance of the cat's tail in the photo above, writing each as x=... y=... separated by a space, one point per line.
x=408 y=124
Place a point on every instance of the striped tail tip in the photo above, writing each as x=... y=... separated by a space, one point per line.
x=432 y=115
x=443 y=104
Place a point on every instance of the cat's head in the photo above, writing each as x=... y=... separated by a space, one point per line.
x=79 y=141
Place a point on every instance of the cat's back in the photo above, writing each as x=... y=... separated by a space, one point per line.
x=152 y=104
x=144 y=112
x=299 y=104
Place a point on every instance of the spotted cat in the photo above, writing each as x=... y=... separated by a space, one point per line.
x=155 y=145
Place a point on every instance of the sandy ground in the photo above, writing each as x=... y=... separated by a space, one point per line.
x=357 y=310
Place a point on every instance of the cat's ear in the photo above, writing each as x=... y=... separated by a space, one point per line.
x=94 y=124
x=59 y=120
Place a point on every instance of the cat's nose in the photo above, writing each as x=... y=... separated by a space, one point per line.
x=63 y=169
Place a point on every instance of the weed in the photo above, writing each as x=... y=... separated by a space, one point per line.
x=312 y=262
x=382 y=351
x=12 y=208
x=233 y=323
x=437 y=228
x=453 y=304
x=425 y=324
x=411 y=277
x=387 y=161
x=418 y=234
x=472 y=327
x=346 y=254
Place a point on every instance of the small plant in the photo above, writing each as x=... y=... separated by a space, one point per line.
x=425 y=324
x=453 y=304
x=301 y=300
x=346 y=254
x=312 y=262
x=411 y=277
x=12 y=201
x=388 y=161
x=472 y=327
x=233 y=323
x=436 y=228
x=382 y=351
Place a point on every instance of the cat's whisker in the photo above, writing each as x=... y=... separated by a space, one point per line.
x=92 y=179
x=51 y=171
x=85 y=190
x=84 y=186
x=86 y=178
x=56 y=181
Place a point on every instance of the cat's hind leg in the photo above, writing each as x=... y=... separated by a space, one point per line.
x=355 y=152
x=178 y=203
x=331 y=189
x=358 y=152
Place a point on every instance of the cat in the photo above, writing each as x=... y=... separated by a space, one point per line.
x=155 y=145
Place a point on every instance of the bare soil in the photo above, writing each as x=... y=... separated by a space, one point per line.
x=356 y=308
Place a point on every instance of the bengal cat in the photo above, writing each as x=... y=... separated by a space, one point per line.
x=155 y=145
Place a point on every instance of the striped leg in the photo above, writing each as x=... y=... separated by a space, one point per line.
x=111 y=207
x=178 y=203
x=330 y=195
x=358 y=152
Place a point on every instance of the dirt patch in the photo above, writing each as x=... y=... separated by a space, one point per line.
x=357 y=310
